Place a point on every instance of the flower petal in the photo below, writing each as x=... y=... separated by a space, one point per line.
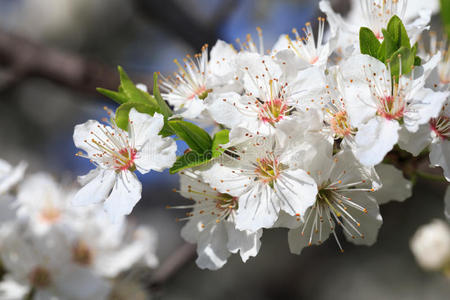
x=375 y=139
x=124 y=196
x=395 y=186
x=97 y=189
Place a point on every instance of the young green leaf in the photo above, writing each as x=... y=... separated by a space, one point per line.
x=131 y=91
x=402 y=58
x=165 y=109
x=123 y=111
x=417 y=61
x=189 y=160
x=196 y=138
x=220 y=138
x=398 y=32
x=119 y=97
x=368 y=42
x=445 y=15
x=387 y=48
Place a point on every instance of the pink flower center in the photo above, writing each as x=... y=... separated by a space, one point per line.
x=441 y=126
x=125 y=161
x=268 y=170
x=50 y=214
x=273 y=111
x=379 y=36
x=226 y=203
x=200 y=92
x=314 y=60
x=339 y=124
x=391 y=108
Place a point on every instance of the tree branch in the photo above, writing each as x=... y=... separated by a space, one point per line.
x=171 y=266
x=23 y=58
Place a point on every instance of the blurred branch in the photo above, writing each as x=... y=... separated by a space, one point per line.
x=22 y=58
x=170 y=267
x=179 y=22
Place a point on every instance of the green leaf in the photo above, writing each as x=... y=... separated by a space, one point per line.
x=388 y=47
x=165 y=109
x=220 y=138
x=133 y=94
x=123 y=111
x=406 y=58
x=417 y=61
x=196 y=138
x=445 y=15
x=398 y=32
x=368 y=42
x=189 y=160
x=116 y=96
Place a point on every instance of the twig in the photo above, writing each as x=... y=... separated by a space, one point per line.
x=171 y=266
x=429 y=176
x=23 y=58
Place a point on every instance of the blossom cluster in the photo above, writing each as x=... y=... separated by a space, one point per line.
x=50 y=249
x=299 y=135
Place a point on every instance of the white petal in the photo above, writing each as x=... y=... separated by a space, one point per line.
x=84 y=133
x=226 y=109
x=285 y=220
x=246 y=242
x=226 y=179
x=426 y=105
x=158 y=154
x=192 y=108
x=375 y=139
x=144 y=127
x=395 y=186
x=75 y=282
x=222 y=58
x=415 y=142
x=359 y=100
x=415 y=28
x=258 y=208
x=13 y=176
x=97 y=189
x=256 y=73
x=370 y=222
x=124 y=196
x=298 y=241
x=212 y=249
x=440 y=156
x=296 y=191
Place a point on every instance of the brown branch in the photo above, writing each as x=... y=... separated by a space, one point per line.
x=171 y=266
x=23 y=58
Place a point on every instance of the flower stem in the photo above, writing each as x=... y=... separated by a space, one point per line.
x=430 y=176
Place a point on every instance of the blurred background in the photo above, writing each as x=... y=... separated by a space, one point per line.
x=53 y=53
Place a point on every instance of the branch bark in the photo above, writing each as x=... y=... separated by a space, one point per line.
x=22 y=58
x=171 y=266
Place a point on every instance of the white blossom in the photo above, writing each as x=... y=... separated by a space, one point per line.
x=343 y=199
x=211 y=224
x=197 y=78
x=43 y=264
x=379 y=108
x=266 y=176
x=431 y=245
x=375 y=14
x=9 y=175
x=117 y=154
